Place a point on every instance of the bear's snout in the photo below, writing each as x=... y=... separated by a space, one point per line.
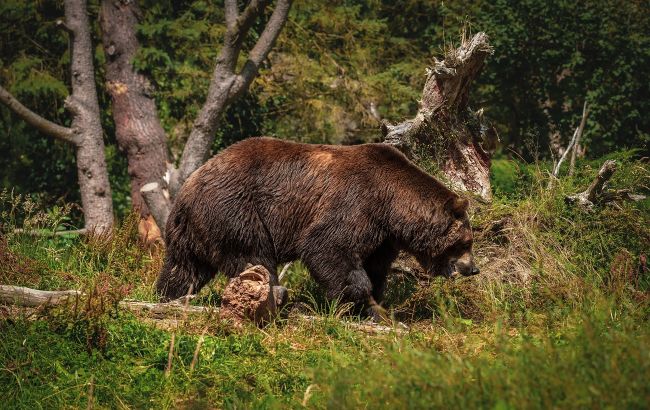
x=465 y=265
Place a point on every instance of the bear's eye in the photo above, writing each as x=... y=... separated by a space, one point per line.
x=466 y=243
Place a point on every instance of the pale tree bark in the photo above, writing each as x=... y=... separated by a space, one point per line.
x=445 y=130
x=85 y=132
x=226 y=85
x=138 y=130
x=598 y=194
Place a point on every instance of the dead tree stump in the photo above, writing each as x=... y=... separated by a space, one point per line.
x=249 y=297
x=445 y=130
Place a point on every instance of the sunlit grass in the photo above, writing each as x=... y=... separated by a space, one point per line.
x=559 y=318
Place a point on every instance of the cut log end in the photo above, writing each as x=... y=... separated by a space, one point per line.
x=157 y=201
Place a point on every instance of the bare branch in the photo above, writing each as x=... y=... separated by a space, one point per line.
x=572 y=143
x=37 y=232
x=264 y=44
x=572 y=164
x=225 y=85
x=235 y=35
x=248 y=16
x=35 y=120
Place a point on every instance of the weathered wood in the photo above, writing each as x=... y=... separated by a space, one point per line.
x=460 y=141
x=157 y=202
x=162 y=315
x=596 y=192
x=21 y=296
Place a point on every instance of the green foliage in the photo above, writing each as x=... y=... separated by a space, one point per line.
x=331 y=62
x=551 y=56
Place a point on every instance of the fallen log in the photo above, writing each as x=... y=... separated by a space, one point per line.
x=597 y=193
x=166 y=316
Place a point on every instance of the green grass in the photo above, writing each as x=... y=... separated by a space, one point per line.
x=559 y=318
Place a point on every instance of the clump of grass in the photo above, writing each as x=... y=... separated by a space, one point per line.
x=599 y=362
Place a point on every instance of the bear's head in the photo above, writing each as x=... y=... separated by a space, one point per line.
x=451 y=251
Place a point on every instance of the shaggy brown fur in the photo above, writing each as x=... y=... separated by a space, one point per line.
x=345 y=211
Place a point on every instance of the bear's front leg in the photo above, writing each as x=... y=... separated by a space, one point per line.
x=342 y=279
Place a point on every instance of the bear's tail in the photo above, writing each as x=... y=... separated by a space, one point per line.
x=183 y=271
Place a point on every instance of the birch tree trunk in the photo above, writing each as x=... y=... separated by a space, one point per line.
x=445 y=130
x=85 y=132
x=139 y=133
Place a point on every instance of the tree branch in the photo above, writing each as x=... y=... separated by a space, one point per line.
x=264 y=44
x=35 y=120
x=248 y=16
x=225 y=85
x=232 y=12
x=235 y=35
x=572 y=143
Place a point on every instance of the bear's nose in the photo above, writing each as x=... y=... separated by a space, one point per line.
x=475 y=270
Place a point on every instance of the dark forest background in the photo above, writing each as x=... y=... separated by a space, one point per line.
x=334 y=61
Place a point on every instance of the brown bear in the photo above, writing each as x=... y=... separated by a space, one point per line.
x=345 y=211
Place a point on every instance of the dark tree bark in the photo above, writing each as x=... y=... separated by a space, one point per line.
x=445 y=130
x=139 y=133
x=85 y=132
x=226 y=85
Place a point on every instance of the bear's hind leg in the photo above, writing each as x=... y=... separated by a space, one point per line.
x=180 y=277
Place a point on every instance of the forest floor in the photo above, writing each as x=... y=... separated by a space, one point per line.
x=558 y=318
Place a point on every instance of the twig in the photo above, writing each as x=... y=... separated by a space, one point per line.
x=574 y=152
x=572 y=143
x=285 y=268
x=170 y=356
x=195 y=358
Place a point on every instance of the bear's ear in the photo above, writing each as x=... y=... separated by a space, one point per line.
x=457 y=206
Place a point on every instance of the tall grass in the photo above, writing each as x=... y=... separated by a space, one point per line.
x=558 y=318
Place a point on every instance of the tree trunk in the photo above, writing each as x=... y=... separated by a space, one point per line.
x=226 y=85
x=86 y=132
x=445 y=132
x=91 y=162
x=138 y=130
